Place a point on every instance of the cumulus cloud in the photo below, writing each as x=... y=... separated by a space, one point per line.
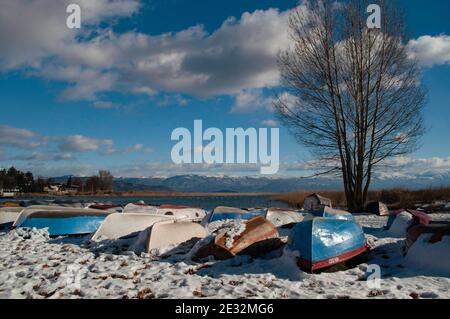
x=32 y=30
x=430 y=50
x=20 y=138
x=238 y=58
x=240 y=54
x=26 y=145
x=80 y=143
x=247 y=101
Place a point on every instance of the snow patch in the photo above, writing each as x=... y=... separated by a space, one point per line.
x=432 y=258
x=400 y=225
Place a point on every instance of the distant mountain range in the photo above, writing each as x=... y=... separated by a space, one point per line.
x=199 y=183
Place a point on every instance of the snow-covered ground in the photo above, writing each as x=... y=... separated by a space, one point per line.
x=34 y=266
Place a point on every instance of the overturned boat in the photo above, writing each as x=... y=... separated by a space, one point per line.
x=119 y=225
x=224 y=213
x=285 y=216
x=411 y=218
x=165 y=234
x=324 y=242
x=328 y=212
x=63 y=222
x=182 y=212
x=255 y=237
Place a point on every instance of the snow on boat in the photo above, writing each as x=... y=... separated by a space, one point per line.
x=223 y=213
x=400 y=221
x=428 y=256
x=8 y=215
x=64 y=222
x=285 y=216
x=256 y=236
x=171 y=233
x=120 y=225
x=436 y=231
x=139 y=208
x=328 y=212
x=324 y=242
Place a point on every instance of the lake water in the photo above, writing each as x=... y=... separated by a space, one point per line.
x=207 y=202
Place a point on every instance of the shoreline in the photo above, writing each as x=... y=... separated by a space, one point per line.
x=144 y=194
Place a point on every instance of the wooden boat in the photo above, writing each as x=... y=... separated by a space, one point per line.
x=328 y=212
x=285 y=216
x=170 y=233
x=324 y=242
x=256 y=238
x=65 y=222
x=118 y=225
x=223 y=213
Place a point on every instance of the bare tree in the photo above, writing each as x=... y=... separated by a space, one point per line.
x=355 y=96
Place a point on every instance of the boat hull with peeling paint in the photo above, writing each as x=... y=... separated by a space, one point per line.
x=324 y=242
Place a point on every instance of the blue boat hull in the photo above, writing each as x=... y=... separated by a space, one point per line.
x=80 y=225
x=333 y=214
x=323 y=242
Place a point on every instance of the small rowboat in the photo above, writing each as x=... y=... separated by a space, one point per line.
x=119 y=225
x=182 y=212
x=223 y=213
x=64 y=222
x=256 y=237
x=285 y=216
x=170 y=233
x=324 y=242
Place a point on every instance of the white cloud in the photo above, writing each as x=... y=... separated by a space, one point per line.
x=430 y=50
x=240 y=54
x=270 y=122
x=20 y=138
x=80 y=143
x=32 y=30
x=248 y=101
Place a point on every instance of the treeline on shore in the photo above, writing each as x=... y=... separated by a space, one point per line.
x=25 y=182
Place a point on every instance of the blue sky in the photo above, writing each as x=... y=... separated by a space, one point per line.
x=110 y=94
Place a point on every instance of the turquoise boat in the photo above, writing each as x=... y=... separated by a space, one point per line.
x=64 y=223
x=324 y=242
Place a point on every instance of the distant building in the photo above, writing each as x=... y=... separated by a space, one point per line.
x=8 y=193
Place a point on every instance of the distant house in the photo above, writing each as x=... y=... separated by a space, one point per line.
x=60 y=189
x=315 y=201
x=8 y=193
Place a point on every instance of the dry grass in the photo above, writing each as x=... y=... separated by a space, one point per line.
x=395 y=198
